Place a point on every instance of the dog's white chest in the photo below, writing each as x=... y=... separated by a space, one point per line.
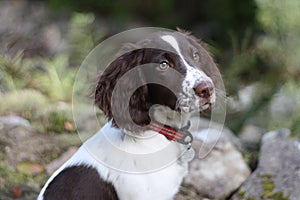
x=131 y=177
x=161 y=185
x=137 y=182
x=134 y=178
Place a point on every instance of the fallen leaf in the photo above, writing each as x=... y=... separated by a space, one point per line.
x=17 y=192
x=68 y=126
x=30 y=168
x=55 y=164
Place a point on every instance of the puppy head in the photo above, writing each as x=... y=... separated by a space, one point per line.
x=184 y=79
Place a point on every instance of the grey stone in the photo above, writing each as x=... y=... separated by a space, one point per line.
x=251 y=136
x=21 y=144
x=13 y=120
x=32 y=33
x=244 y=98
x=222 y=171
x=200 y=125
x=278 y=172
x=55 y=164
x=283 y=105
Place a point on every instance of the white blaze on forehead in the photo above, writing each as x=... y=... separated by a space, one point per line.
x=172 y=41
x=193 y=75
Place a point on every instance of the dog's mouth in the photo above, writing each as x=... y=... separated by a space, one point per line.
x=193 y=105
x=205 y=108
x=205 y=104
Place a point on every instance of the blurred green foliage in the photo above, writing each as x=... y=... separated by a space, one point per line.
x=254 y=42
x=49 y=76
x=25 y=102
x=269 y=58
x=279 y=47
x=15 y=73
x=40 y=90
x=56 y=79
x=18 y=179
x=33 y=87
x=218 y=16
x=56 y=121
x=83 y=34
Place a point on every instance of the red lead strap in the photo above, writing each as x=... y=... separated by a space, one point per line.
x=181 y=135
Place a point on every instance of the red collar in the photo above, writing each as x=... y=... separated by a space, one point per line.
x=182 y=135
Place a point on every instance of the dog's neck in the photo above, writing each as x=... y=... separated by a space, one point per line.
x=164 y=116
x=169 y=117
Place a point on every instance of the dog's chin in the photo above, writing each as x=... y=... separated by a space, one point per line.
x=194 y=104
x=186 y=109
x=204 y=108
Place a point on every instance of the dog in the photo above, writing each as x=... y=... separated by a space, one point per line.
x=172 y=76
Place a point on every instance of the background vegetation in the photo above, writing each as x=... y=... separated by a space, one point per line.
x=256 y=44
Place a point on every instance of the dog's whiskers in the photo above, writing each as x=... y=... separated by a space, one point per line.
x=178 y=102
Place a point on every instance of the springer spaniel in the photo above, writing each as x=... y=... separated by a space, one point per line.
x=148 y=92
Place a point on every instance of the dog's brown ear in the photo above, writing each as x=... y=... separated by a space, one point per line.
x=183 y=31
x=191 y=36
x=139 y=100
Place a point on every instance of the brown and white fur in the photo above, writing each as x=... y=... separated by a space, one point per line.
x=84 y=177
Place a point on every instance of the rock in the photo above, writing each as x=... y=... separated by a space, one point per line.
x=200 y=126
x=278 y=173
x=13 y=120
x=55 y=164
x=250 y=137
x=188 y=192
x=30 y=168
x=21 y=144
x=283 y=105
x=244 y=99
x=35 y=34
x=222 y=171
x=54 y=42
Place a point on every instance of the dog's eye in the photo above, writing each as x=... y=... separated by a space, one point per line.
x=164 y=65
x=196 y=56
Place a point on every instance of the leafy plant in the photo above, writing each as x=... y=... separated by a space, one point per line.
x=269 y=59
x=280 y=46
x=51 y=76
x=27 y=102
x=14 y=74
x=56 y=80
x=82 y=36
x=57 y=122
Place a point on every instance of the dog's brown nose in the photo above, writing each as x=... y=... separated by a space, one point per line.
x=204 y=89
